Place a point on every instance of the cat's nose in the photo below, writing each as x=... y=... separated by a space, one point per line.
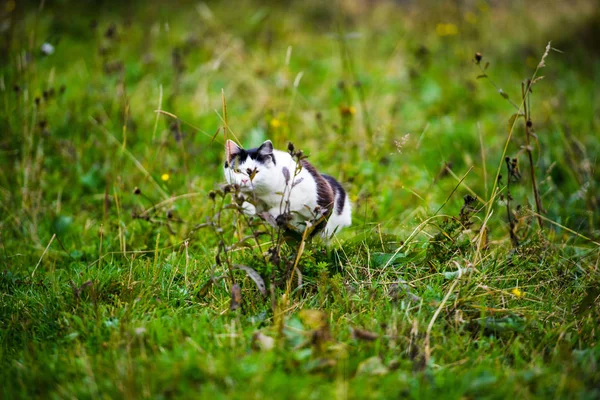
x=244 y=181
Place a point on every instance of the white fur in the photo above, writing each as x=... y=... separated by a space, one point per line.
x=337 y=222
x=268 y=186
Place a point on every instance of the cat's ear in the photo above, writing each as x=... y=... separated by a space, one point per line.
x=266 y=148
x=231 y=150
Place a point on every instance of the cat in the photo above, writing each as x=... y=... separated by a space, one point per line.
x=275 y=181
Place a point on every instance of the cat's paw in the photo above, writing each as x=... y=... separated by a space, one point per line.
x=248 y=208
x=284 y=219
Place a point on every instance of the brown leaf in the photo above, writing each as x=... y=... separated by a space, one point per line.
x=78 y=290
x=236 y=297
x=320 y=337
x=204 y=288
x=286 y=174
x=268 y=218
x=86 y=284
x=203 y=291
x=255 y=276
x=362 y=334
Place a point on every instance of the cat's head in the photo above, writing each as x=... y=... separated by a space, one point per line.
x=251 y=169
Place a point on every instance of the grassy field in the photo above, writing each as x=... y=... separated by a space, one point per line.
x=119 y=254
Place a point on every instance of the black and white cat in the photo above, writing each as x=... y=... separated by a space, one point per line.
x=271 y=177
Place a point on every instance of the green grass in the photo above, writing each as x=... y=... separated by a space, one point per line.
x=96 y=302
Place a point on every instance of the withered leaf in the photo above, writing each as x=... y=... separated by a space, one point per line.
x=268 y=218
x=236 y=297
x=286 y=174
x=320 y=337
x=255 y=276
x=363 y=334
x=86 y=284
x=203 y=291
x=204 y=288
x=297 y=181
x=78 y=290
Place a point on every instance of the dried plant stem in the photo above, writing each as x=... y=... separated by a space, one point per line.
x=435 y=315
x=494 y=191
x=296 y=261
x=511 y=222
x=226 y=124
x=525 y=91
x=43 y=254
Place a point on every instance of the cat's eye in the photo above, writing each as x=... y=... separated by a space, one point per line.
x=235 y=165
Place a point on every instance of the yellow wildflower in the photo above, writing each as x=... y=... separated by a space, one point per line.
x=347 y=110
x=470 y=17
x=517 y=292
x=275 y=123
x=446 y=29
x=165 y=177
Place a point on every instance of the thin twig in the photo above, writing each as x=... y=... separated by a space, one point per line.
x=43 y=254
x=525 y=91
x=435 y=315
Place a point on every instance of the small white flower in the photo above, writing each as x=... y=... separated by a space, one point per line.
x=47 y=49
x=140 y=331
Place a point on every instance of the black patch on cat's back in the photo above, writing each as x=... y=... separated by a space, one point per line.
x=338 y=191
x=325 y=194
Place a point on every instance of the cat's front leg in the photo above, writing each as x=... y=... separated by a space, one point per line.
x=275 y=212
x=248 y=208
x=287 y=219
